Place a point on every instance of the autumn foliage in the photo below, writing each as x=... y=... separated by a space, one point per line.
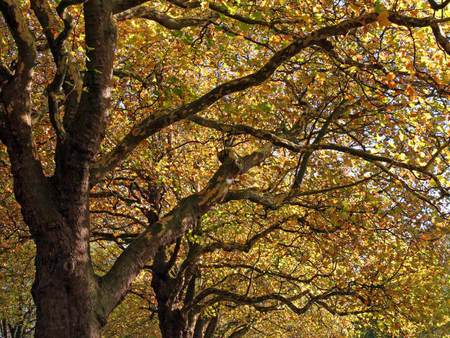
x=224 y=168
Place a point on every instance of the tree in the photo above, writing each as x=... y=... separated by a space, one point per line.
x=328 y=119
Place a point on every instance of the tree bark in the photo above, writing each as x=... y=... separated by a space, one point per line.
x=65 y=294
x=174 y=296
x=173 y=324
x=56 y=209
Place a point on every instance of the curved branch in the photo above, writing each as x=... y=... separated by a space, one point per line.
x=258 y=301
x=162 y=119
x=163 y=19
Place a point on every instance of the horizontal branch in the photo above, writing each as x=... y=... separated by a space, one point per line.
x=242 y=129
x=293 y=146
x=258 y=301
x=280 y=275
x=406 y=21
x=163 y=19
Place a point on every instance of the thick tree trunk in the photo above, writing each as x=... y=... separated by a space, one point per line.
x=173 y=322
x=65 y=290
x=65 y=294
x=56 y=209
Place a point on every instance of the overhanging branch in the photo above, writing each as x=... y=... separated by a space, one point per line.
x=159 y=120
x=163 y=19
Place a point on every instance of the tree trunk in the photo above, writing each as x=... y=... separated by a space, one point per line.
x=56 y=209
x=65 y=289
x=173 y=324
x=65 y=294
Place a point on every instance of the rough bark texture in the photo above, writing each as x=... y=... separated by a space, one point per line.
x=65 y=289
x=71 y=300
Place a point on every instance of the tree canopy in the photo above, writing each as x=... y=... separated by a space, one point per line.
x=224 y=168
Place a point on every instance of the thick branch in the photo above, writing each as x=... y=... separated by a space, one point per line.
x=162 y=119
x=116 y=283
x=163 y=19
x=86 y=130
x=440 y=38
x=22 y=36
x=436 y=6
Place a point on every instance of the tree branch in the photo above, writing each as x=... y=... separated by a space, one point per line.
x=23 y=38
x=152 y=124
x=436 y=6
x=31 y=188
x=117 y=281
x=440 y=38
x=86 y=130
x=67 y=75
x=88 y=127
x=163 y=19
x=280 y=141
x=424 y=22
x=304 y=158
x=258 y=301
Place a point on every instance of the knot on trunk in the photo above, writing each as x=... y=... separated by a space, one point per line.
x=69 y=265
